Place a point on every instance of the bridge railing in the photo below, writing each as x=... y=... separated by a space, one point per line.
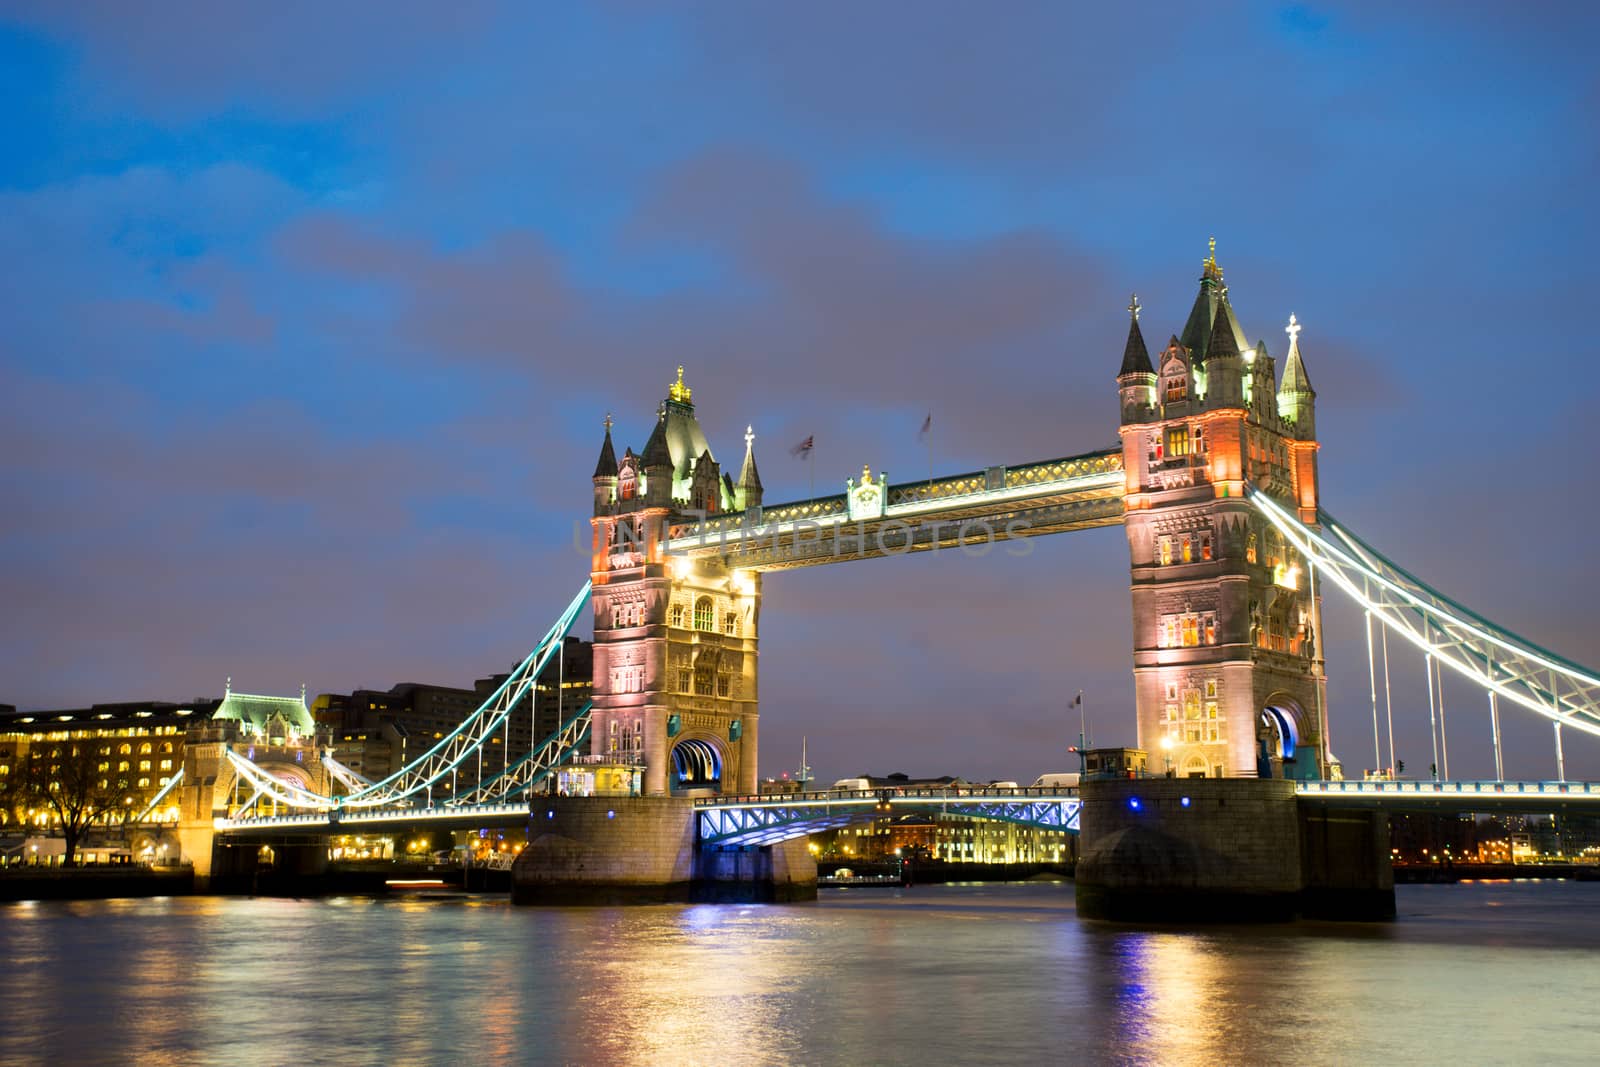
x=1451 y=788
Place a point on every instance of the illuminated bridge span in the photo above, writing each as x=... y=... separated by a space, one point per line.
x=766 y=820
x=1216 y=485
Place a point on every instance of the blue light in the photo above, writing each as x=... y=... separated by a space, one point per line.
x=1184 y=802
x=611 y=815
x=1133 y=802
x=549 y=814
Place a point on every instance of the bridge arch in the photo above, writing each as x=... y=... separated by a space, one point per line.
x=1280 y=727
x=698 y=763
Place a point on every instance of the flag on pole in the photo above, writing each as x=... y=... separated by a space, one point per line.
x=1077 y=701
x=803 y=449
x=927 y=425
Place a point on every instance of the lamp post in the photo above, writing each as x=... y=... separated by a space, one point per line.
x=1166 y=751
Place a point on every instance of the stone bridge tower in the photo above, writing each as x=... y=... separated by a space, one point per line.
x=674 y=639
x=1228 y=668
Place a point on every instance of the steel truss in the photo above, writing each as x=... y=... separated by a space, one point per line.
x=1495 y=658
x=767 y=820
x=534 y=767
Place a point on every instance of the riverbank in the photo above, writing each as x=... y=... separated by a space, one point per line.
x=94 y=883
x=1442 y=874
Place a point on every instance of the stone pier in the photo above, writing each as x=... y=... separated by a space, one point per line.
x=1226 y=850
x=642 y=850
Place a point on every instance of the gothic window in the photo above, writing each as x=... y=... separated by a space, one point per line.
x=1211 y=689
x=1178 y=441
x=1188 y=549
x=1199 y=439
x=724 y=685
x=682 y=685
x=1205 y=546
x=730 y=623
x=1166 y=551
x=1209 y=629
x=704 y=680
x=144 y=783
x=627 y=483
x=144 y=749
x=1274 y=549
x=704 y=616
x=124 y=764
x=1172 y=691
x=1250 y=549
x=144 y=765
x=1191 y=631
x=638 y=736
x=675 y=617
x=1177 y=388
x=166 y=765
x=613 y=739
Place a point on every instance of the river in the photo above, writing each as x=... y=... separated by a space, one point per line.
x=1471 y=973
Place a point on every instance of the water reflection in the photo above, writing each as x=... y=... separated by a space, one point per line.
x=997 y=973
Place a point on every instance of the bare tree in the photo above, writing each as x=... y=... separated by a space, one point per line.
x=70 y=780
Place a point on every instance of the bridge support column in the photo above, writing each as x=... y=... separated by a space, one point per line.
x=642 y=850
x=1226 y=850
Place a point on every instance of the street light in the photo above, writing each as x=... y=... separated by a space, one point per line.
x=1166 y=750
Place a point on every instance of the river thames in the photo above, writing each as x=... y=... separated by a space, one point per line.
x=1472 y=973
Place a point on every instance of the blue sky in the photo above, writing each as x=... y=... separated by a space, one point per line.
x=312 y=316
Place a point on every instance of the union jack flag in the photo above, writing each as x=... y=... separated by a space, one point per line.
x=803 y=449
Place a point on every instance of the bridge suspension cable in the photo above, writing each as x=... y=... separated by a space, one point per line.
x=533 y=767
x=1507 y=665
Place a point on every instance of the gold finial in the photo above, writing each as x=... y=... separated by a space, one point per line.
x=1293 y=330
x=608 y=422
x=866 y=474
x=1210 y=265
x=1133 y=305
x=678 y=391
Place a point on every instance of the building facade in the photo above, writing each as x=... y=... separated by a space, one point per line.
x=1228 y=668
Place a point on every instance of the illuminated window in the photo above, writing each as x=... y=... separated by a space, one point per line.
x=1191 y=631
x=166 y=765
x=1166 y=551
x=1188 y=549
x=124 y=750
x=144 y=765
x=1177 y=388
x=144 y=749
x=122 y=766
x=1209 y=628
x=166 y=746
x=144 y=783
x=704 y=616
x=1205 y=546
x=1199 y=439
x=1250 y=549
x=1178 y=441
x=1211 y=688
x=675 y=617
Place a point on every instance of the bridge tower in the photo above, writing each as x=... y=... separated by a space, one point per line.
x=674 y=639
x=1228 y=668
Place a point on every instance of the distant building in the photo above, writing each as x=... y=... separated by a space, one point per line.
x=950 y=838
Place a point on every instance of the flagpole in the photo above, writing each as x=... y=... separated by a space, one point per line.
x=811 y=468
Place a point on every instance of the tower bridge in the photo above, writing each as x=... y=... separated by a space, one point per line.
x=1215 y=482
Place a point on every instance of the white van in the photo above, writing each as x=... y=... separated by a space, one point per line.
x=1057 y=781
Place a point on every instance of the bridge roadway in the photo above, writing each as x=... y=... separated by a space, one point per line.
x=769 y=818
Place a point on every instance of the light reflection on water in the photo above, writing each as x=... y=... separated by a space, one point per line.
x=1472 y=973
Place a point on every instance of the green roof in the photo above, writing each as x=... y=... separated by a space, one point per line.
x=256 y=712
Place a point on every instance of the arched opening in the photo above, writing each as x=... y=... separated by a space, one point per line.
x=704 y=615
x=696 y=764
x=1196 y=767
x=1278 y=750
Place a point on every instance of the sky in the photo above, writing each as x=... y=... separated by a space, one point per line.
x=311 y=316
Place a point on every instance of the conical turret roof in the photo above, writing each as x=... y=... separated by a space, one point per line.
x=1295 y=379
x=606 y=467
x=1135 y=357
x=749 y=477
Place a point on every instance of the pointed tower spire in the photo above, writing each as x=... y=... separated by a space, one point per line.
x=1223 y=343
x=1297 y=401
x=1294 y=368
x=1135 y=357
x=749 y=478
x=607 y=465
x=656 y=452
